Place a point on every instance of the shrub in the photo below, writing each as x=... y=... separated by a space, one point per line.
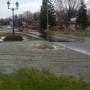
x=13 y=38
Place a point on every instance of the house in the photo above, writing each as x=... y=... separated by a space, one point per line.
x=74 y=26
x=73 y=23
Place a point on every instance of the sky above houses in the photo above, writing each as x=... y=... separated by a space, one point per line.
x=25 y=5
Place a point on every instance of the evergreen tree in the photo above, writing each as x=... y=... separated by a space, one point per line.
x=47 y=5
x=82 y=19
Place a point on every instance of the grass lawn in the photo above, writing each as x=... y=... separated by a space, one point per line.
x=30 y=38
x=31 y=79
x=79 y=33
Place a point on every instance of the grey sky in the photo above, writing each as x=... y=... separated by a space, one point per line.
x=30 y=5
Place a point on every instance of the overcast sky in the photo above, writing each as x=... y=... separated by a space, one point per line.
x=30 y=5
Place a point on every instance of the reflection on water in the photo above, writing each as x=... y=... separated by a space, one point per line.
x=1 y=38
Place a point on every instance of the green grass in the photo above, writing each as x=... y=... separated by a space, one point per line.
x=30 y=38
x=31 y=79
x=79 y=33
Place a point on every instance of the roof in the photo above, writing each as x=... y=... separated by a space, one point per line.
x=73 y=19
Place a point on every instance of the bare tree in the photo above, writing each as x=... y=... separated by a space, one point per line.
x=28 y=16
x=32 y=19
x=66 y=9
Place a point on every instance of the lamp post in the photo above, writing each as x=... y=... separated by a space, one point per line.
x=13 y=9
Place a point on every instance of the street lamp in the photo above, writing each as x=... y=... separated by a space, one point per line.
x=13 y=9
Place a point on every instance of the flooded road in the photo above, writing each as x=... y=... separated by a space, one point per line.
x=61 y=60
x=82 y=46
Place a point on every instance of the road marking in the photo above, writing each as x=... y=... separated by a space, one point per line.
x=75 y=49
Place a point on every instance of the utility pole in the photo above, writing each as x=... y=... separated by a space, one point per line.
x=47 y=21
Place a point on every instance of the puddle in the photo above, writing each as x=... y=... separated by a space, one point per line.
x=25 y=39
x=1 y=38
